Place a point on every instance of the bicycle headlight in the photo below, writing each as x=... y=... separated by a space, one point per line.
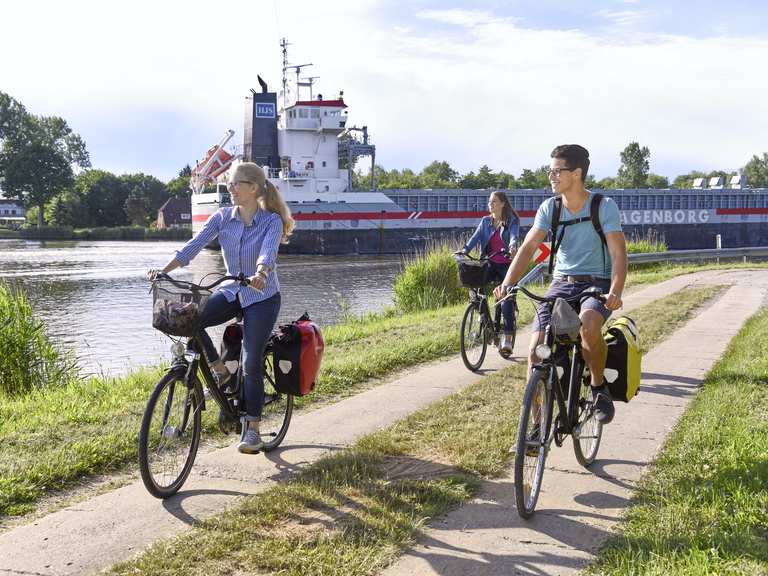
x=178 y=349
x=543 y=351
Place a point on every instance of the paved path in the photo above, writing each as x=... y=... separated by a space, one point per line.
x=577 y=509
x=93 y=535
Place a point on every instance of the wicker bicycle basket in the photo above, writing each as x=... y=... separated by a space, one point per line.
x=176 y=307
x=473 y=274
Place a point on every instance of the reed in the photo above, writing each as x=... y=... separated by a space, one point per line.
x=429 y=280
x=28 y=360
x=652 y=242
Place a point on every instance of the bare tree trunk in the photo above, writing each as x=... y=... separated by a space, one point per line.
x=40 y=218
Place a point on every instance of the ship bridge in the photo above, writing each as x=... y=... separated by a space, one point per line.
x=326 y=116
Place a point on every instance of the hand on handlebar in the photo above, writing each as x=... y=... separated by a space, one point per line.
x=613 y=301
x=153 y=273
x=257 y=282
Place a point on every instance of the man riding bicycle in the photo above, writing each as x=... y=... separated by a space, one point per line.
x=583 y=260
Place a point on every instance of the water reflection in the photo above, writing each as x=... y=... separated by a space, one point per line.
x=93 y=298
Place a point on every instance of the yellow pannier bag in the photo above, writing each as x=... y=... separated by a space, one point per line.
x=622 y=368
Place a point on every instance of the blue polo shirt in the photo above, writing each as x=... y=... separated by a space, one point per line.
x=581 y=252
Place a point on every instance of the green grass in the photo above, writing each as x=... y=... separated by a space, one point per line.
x=429 y=280
x=659 y=272
x=354 y=512
x=703 y=508
x=28 y=360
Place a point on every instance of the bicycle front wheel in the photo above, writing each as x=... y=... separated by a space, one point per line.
x=532 y=442
x=474 y=340
x=588 y=430
x=169 y=436
x=277 y=410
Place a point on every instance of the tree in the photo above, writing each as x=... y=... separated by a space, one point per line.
x=144 y=189
x=606 y=183
x=505 y=181
x=66 y=209
x=103 y=195
x=38 y=155
x=656 y=181
x=686 y=180
x=439 y=175
x=534 y=178
x=633 y=172
x=756 y=171
x=34 y=173
x=136 y=210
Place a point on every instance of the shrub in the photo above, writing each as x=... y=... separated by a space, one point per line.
x=429 y=280
x=47 y=233
x=27 y=358
x=169 y=234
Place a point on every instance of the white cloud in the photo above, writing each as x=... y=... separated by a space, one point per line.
x=492 y=92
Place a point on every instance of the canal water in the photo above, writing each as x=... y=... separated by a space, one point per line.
x=94 y=299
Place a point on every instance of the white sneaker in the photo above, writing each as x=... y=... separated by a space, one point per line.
x=250 y=441
x=506 y=344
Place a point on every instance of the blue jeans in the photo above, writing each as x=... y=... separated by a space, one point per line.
x=496 y=273
x=258 y=321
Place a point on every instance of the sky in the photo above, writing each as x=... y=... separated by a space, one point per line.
x=150 y=86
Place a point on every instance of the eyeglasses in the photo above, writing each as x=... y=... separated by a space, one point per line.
x=236 y=182
x=556 y=171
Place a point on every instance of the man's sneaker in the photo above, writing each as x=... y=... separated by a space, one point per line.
x=603 y=404
x=250 y=441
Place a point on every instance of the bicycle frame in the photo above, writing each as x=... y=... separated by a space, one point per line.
x=566 y=405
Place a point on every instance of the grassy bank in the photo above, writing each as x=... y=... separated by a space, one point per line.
x=703 y=508
x=353 y=513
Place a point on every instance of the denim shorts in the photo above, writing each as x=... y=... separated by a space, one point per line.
x=563 y=289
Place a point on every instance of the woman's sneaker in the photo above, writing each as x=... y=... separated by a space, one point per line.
x=506 y=344
x=250 y=441
x=602 y=404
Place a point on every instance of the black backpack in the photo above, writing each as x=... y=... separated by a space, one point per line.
x=594 y=216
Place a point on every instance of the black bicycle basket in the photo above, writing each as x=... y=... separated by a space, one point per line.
x=473 y=274
x=176 y=307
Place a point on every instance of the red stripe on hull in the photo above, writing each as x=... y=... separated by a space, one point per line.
x=309 y=216
x=724 y=211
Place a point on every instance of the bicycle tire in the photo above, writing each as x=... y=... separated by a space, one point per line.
x=277 y=410
x=529 y=467
x=160 y=448
x=473 y=338
x=588 y=430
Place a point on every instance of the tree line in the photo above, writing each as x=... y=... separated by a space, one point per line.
x=634 y=172
x=46 y=166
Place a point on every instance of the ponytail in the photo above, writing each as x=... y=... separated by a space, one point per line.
x=272 y=201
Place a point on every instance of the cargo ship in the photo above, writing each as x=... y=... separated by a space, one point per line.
x=309 y=151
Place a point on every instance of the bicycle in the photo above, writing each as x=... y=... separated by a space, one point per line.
x=478 y=328
x=170 y=428
x=561 y=363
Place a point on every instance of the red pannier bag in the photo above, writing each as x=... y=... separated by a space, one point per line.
x=297 y=352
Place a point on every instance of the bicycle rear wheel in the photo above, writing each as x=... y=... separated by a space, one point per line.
x=532 y=442
x=588 y=430
x=277 y=411
x=169 y=436
x=474 y=339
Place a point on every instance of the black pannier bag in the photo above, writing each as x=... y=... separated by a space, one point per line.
x=231 y=343
x=473 y=274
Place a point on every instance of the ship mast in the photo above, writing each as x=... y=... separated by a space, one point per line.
x=297 y=67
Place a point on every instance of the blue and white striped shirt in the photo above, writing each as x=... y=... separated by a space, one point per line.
x=244 y=246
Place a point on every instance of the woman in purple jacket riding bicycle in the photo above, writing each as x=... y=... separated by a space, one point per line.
x=495 y=233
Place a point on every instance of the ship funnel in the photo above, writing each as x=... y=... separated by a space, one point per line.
x=262 y=84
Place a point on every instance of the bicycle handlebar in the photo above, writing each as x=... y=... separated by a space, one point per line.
x=241 y=278
x=503 y=251
x=593 y=292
